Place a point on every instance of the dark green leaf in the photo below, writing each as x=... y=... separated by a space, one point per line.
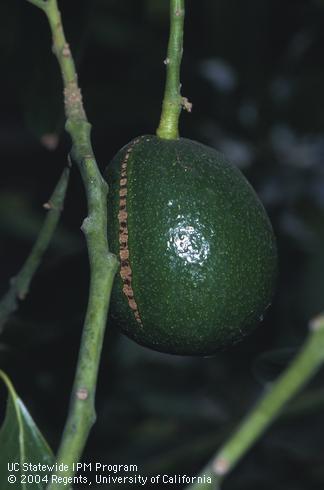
x=21 y=442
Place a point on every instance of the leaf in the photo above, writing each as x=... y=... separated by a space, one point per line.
x=21 y=442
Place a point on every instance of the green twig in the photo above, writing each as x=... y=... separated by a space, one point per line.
x=303 y=367
x=103 y=264
x=19 y=285
x=173 y=101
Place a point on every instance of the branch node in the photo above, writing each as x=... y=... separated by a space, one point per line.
x=221 y=466
x=317 y=323
x=73 y=101
x=22 y=295
x=186 y=104
x=87 y=225
x=66 y=52
x=82 y=394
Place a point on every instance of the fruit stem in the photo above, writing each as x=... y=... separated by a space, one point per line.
x=19 y=285
x=103 y=264
x=172 y=101
x=302 y=368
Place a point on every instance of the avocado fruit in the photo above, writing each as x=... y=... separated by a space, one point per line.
x=197 y=252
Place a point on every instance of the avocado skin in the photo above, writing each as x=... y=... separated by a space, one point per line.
x=201 y=247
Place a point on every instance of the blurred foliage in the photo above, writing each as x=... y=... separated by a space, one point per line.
x=255 y=74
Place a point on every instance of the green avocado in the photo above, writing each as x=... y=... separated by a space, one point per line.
x=197 y=252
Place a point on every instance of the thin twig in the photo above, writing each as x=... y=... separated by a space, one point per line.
x=103 y=264
x=303 y=367
x=19 y=285
x=172 y=101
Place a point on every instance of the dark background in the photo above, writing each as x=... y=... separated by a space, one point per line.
x=254 y=72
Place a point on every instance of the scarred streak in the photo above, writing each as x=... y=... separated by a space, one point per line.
x=125 y=267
